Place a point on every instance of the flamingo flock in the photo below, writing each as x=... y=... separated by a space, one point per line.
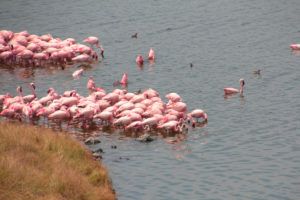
x=119 y=109
x=24 y=49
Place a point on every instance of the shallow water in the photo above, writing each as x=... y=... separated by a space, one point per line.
x=250 y=147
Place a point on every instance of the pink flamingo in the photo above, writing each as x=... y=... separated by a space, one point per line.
x=139 y=60
x=295 y=46
x=134 y=116
x=105 y=116
x=178 y=106
x=91 y=86
x=18 y=106
x=9 y=113
x=45 y=111
x=124 y=80
x=112 y=98
x=35 y=105
x=49 y=98
x=70 y=93
x=59 y=115
x=8 y=101
x=69 y=101
x=152 y=121
x=92 y=41
x=6 y=56
x=82 y=58
x=27 y=111
x=169 y=117
x=122 y=121
x=138 y=110
x=129 y=95
x=77 y=73
x=170 y=126
x=3 y=97
x=134 y=125
x=33 y=47
x=46 y=38
x=39 y=57
x=150 y=93
x=7 y=35
x=229 y=91
x=30 y=97
x=125 y=106
x=151 y=55
x=85 y=113
x=173 y=97
x=197 y=114
x=137 y=98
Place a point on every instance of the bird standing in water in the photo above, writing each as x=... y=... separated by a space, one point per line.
x=229 y=91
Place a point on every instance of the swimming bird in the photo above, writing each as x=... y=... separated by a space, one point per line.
x=139 y=60
x=134 y=35
x=151 y=55
x=229 y=90
x=77 y=73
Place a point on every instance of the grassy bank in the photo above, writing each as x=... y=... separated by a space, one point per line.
x=39 y=164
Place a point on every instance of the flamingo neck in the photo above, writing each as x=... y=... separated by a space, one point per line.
x=33 y=91
x=205 y=116
x=21 y=96
x=241 y=89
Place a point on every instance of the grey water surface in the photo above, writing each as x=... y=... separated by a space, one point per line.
x=250 y=148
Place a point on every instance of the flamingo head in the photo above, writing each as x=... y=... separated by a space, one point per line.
x=73 y=93
x=205 y=116
x=19 y=89
x=50 y=90
x=242 y=82
x=32 y=85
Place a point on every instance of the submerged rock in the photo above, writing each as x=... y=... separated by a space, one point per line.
x=145 y=138
x=97 y=155
x=98 y=150
x=92 y=140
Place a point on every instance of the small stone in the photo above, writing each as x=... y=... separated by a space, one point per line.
x=145 y=138
x=92 y=140
x=97 y=155
x=98 y=150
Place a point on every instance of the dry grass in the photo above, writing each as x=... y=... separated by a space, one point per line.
x=39 y=164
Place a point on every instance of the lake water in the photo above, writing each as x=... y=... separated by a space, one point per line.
x=250 y=148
